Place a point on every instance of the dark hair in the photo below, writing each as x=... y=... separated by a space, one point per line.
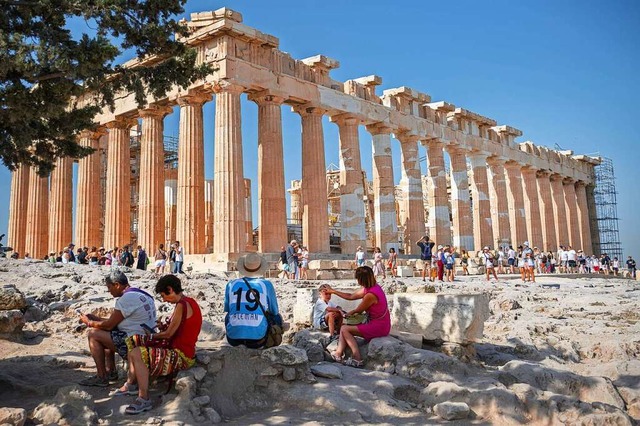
x=392 y=250
x=169 y=281
x=365 y=277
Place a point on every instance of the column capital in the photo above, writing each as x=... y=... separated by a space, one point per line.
x=93 y=134
x=193 y=98
x=581 y=183
x=266 y=97
x=432 y=142
x=155 y=111
x=512 y=165
x=528 y=170
x=495 y=160
x=568 y=181
x=406 y=137
x=227 y=86
x=556 y=177
x=124 y=123
x=345 y=119
x=543 y=173
x=306 y=110
x=478 y=154
x=453 y=148
x=379 y=129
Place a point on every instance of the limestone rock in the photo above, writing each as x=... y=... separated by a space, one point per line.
x=11 y=322
x=11 y=298
x=212 y=415
x=285 y=355
x=70 y=405
x=186 y=386
x=289 y=374
x=13 y=416
x=198 y=373
x=504 y=304
x=326 y=370
x=451 y=410
x=310 y=342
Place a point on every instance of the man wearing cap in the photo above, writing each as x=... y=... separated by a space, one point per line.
x=425 y=254
x=246 y=300
x=72 y=256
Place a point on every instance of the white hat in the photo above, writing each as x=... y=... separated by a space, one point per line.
x=251 y=265
x=526 y=243
x=486 y=248
x=440 y=247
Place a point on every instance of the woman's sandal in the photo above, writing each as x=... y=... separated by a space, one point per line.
x=336 y=358
x=140 y=405
x=126 y=389
x=353 y=363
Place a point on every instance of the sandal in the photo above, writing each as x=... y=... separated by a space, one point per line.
x=139 y=406
x=336 y=358
x=353 y=363
x=126 y=389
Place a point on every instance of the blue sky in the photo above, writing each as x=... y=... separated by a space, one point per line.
x=564 y=72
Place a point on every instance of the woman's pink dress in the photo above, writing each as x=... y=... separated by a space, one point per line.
x=379 y=324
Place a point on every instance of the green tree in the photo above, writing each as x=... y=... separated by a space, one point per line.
x=44 y=67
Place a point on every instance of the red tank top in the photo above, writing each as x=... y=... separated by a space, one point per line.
x=187 y=335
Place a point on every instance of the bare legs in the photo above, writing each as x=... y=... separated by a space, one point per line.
x=141 y=372
x=102 y=350
x=334 y=321
x=346 y=339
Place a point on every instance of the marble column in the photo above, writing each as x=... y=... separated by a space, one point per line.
x=18 y=209
x=89 y=207
x=499 y=203
x=571 y=205
x=549 y=236
x=315 y=215
x=296 y=202
x=559 y=210
x=151 y=192
x=272 y=203
x=515 y=198
x=482 y=224
x=117 y=215
x=414 y=226
x=583 y=218
x=61 y=204
x=532 y=207
x=439 y=225
x=190 y=202
x=229 y=227
x=353 y=232
x=248 y=216
x=460 y=200
x=37 y=227
x=209 y=198
x=170 y=211
x=384 y=203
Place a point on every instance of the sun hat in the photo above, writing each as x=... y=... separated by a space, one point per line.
x=486 y=248
x=251 y=265
x=526 y=243
x=440 y=246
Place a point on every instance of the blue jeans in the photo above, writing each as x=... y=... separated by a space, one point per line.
x=177 y=268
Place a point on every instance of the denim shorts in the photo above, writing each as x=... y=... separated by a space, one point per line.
x=119 y=341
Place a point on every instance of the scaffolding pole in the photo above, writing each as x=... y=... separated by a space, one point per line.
x=605 y=196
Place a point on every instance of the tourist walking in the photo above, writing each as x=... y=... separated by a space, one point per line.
x=360 y=256
x=283 y=261
x=177 y=267
x=304 y=263
x=489 y=263
x=160 y=259
x=511 y=260
x=142 y=259
x=378 y=266
x=464 y=262
x=631 y=267
x=393 y=262
x=292 y=259
x=426 y=254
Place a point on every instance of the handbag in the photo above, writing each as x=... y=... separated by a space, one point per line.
x=358 y=318
x=274 y=322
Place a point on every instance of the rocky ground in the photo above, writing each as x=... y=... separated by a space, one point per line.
x=567 y=355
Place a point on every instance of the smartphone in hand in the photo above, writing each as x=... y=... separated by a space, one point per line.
x=147 y=329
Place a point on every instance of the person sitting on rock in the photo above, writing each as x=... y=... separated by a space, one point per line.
x=326 y=315
x=246 y=300
x=148 y=357
x=374 y=302
x=107 y=336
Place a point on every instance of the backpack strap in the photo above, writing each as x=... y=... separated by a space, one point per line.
x=255 y=293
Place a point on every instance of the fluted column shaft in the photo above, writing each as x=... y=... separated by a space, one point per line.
x=559 y=211
x=209 y=198
x=229 y=191
x=414 y=226
x=272 y=203
x=499 y=202
x=151 y=192
x=583 y=218
x=384 y=200
x=170 y=211
x=315 y=216
x=61 y=204
x=18 y=209
x=117 y=216
x=460 y=201
x=439 y=222
x=532 y=207
x=573 y=221
x=88 y=199
x=515 y=199
x=545 y=198
x=353 y=232
x=482 y=224
x=37 y=215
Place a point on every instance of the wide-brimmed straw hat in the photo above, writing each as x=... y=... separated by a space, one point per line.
x=251 y=265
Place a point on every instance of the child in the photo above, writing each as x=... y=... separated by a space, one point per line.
x=393 y=262
x=326 y=315
x=360 y=257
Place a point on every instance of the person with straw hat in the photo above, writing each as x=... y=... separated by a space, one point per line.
x=249 y=301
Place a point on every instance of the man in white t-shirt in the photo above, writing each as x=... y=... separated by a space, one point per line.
x=179 y=259
x=561 y=255
x=134 y=308
x=571 y=260
x=326 y=315
x=511 y=259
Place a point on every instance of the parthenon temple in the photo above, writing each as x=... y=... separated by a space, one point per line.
x=483 y=187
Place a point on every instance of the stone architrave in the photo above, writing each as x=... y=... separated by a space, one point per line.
x=61 y=204
x=517 y=218
x=499 y=202
x=190 y=202
x=88 y=199
x=170 y=211
x=315 y=216
x=439 y=220
x=37 y=215
x=460 y=200
x=571 y=205
x=18 y=209
x=353 y=232
x=414 y=226
x=151 y=191
x=272 y=203
x=583 y=218
x=384 y=203
x=209 y=197
x=482 y=224
x=549 y=238
x=117 y=215
x=559 y=210
x=532 y=207
x=229 y=227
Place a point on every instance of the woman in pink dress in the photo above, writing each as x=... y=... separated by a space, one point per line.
x=374 y=302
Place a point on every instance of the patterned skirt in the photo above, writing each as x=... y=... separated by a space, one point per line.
x=160 y=361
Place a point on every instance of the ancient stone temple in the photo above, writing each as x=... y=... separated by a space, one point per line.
x=484 y=188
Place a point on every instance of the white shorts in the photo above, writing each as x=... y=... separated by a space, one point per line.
x=160 y=263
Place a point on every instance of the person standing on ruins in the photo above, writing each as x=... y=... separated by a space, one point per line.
x=292 y=259
x=285 y=263
x=177 y=267
x=142 y=259
x=631 y=267
x=489 y=263
x=426 y=247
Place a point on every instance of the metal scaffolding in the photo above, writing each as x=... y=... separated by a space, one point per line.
x=607 y=210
